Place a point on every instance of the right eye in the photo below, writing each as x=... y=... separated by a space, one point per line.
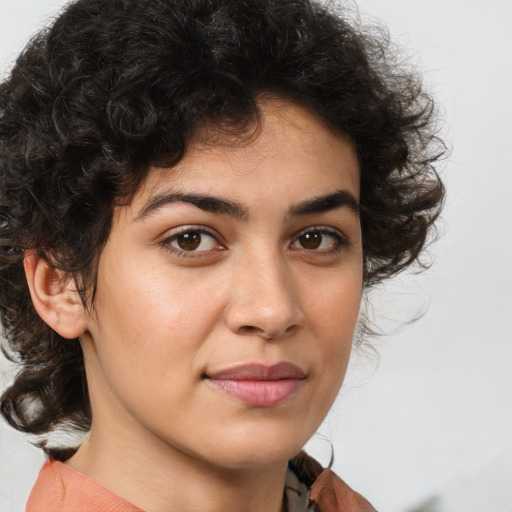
x=190 y=241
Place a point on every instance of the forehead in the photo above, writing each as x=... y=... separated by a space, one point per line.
x=289 y=144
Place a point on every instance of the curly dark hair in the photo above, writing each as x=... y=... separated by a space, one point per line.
x=114 y=87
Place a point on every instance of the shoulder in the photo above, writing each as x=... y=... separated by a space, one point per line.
x=59 y=488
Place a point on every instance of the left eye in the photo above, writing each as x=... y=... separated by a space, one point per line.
x=192 y=241
x=318 y=240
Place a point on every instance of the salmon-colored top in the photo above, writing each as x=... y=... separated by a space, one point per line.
x=62 y=489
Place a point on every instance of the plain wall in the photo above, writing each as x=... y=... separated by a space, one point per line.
x=432 y=421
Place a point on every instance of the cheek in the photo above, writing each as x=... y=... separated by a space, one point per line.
x=333 y=308
x=156 y=299
x=151 y=328
x=333 y=313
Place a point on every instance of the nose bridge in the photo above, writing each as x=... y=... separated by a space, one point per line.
x=264 y=298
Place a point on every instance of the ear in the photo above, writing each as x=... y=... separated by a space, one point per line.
x=54 y=297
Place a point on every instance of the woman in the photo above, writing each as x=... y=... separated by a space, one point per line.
x=195 y=196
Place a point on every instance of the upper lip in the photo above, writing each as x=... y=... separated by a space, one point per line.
x=277 y=371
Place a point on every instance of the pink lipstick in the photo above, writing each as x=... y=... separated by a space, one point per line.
x=259 y=385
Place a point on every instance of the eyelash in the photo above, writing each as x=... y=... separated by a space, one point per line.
x=339 y=241
x=187 y=230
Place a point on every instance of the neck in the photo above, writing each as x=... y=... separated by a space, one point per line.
x=157 y=477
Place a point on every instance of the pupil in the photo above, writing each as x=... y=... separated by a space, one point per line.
x=189 y=241
x=311 y=240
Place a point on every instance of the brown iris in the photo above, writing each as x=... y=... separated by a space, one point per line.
x=310 y=240
x=189 y=241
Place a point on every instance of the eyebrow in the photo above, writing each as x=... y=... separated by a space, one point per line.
x=204 y=202
x=322 y=204
x=217 y=205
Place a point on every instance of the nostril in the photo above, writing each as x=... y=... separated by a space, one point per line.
x=248 y=329
x=251 y=330
x=292 y=329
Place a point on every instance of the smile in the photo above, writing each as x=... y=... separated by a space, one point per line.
x=259 y=385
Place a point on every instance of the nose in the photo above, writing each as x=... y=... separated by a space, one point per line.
x=264 y=300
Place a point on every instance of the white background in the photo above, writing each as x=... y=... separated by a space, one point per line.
x=430 y=421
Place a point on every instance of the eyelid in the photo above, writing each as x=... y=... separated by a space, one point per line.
x=341 y=239
x=172 y=234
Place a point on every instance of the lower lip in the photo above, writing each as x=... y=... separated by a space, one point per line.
x=258 y=393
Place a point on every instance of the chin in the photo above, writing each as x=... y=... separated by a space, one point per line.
x=260 y=450
x=260 y=459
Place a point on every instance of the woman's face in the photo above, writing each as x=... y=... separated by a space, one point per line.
x=227 y=296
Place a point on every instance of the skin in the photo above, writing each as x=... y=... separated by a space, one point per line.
x=255 y=290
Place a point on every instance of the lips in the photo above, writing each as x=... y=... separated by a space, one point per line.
x=259 y=385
